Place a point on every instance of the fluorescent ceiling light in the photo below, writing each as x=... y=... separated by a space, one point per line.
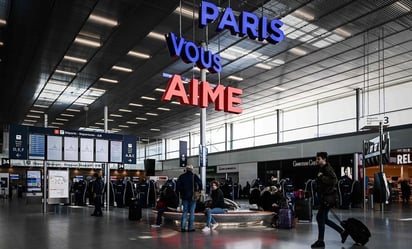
x=45 y=95
x=123 y=126
x=156 y=36
x=36 y=111
x=103 y=20
x=108 y=80
x=3 y=22
x=26 y=124
x=321 y=44
x=135 y=104
x=147 y=98
x=87 y=42
x=152 y=114
x=186 y=12
x=116 y=129
x=73 y=110
x=139 y=54
x=160 y=90
x=115 y=115
x=1 y=43
x=297 y=51
x=403 y=6
x=278 y=88
x=236 y=78
x=139 y=118
x=41 y=106
x=123 y=69
x=94 y=92
x=342 y=32
x=197 y=114
x=125 y=110
x=154 y=129
x=57 y=123
x=304 y=15
x=131 y=122
x=32 y=116
x=74 y=59
x=175 y=103
x=65 y=72
x=163 y=109
x=109 y=120
x=263 y=66
x=54 y=87
x=62 y=119
x=30 y=120
x=67 y=115
x=98 y=123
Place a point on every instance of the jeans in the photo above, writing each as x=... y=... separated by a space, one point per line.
x=209 y=217
x=188 y=206
x=160 y=212
x=322 y=219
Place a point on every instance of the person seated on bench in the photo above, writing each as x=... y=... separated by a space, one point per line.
x=217 y=206
x=168 y=199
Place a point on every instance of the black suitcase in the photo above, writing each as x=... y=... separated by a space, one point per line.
x=356 y=229
x=303 y=209
x=135 y=210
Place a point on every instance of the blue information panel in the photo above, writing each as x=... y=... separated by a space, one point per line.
x=37 y=145
x=18 y=142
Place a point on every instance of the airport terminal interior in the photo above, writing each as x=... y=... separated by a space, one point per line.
x=245 y=91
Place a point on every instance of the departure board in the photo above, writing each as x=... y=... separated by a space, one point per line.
x=102 y=150
x=37 y=145
x=116 y=151
x=54 y=148
x=71 y=149
x=86 y=149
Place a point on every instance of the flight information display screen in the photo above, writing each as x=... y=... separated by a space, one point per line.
x=37 y=145
x=54 y=148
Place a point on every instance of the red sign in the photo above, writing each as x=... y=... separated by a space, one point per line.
x=201 y=94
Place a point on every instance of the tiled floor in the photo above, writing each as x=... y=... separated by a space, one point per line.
x=24 y=226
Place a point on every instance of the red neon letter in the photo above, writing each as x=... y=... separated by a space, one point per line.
x=194 y=92
x=231 y=100
x=175 y=88
x=207 y=95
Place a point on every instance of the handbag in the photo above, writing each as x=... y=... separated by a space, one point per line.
x=196 y=194
x=160 y=204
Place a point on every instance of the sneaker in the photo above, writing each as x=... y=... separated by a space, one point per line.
x=318 y=244
x=206 y=229
x=155 y=226
x=214 y=226
x=191 y=230
x=182 y=230
x=344 y=236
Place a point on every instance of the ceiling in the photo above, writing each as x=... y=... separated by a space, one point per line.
x=331 y=48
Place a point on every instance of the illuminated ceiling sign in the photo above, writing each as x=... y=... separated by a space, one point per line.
x=248 y=24
x=201 y=94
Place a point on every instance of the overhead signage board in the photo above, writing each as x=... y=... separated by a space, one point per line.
x=71 y=148
x=102 y=150
x=18 y=145
x=54 y=148
x=37 y=146
x=86 y=149
x=129 y=149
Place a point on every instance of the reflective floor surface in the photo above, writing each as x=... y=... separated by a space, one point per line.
x=24 y=226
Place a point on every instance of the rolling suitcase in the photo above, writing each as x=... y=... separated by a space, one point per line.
x=356 y=229
x=285 y=219
x=135 y=210
x=303 y=209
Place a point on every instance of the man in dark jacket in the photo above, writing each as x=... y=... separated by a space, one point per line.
x=98 y=189
x=187 y=184
x=326 y=182
x=217 y=206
